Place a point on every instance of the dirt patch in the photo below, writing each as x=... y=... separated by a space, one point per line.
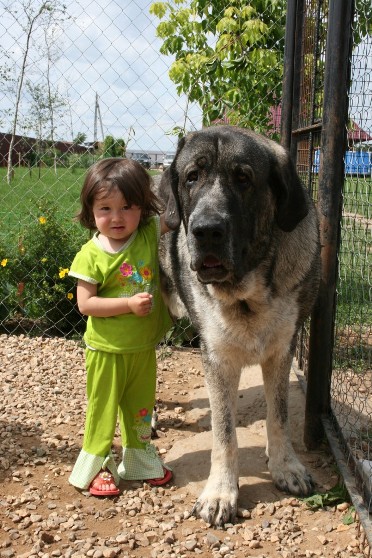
x=41 y=424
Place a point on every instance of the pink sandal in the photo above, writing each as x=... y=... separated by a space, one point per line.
x=168 y=475
x=105 y=478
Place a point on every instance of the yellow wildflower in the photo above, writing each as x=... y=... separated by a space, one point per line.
x=42 y=220
x=70 y=296
x=4 y=262
x=63 y=272
x=43 y=260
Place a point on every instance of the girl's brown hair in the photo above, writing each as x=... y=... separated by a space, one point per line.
x=126 y=175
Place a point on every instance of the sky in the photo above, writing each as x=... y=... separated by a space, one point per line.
x=110 y=49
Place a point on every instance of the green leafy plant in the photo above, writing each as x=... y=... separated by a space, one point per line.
x=182 y=334
x=336 y=495
x=37 y=272
x=8 y=300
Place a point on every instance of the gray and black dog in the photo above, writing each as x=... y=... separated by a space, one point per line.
x=243 y=263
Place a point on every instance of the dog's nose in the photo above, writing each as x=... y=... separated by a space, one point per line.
x=209 y=230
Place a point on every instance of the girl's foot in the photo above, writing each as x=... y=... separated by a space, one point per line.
x=103 y=484
x=162 y=480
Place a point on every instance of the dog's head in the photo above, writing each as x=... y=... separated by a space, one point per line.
x=231 y=188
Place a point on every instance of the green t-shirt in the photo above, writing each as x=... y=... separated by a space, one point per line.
x=132 y=270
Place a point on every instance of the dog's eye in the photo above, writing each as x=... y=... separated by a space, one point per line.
x=242 y=179
x=192 y=177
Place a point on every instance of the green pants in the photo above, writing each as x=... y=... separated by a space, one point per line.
x=119 y=385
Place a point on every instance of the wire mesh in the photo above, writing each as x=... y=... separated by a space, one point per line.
x=352 y=375
x=83 y=80
x=351 y=381
x=307 y=124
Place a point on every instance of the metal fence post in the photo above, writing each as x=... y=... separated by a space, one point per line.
x=331 y=178
x=288 y=78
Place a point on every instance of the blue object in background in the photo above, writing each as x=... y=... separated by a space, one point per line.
x=358 y=163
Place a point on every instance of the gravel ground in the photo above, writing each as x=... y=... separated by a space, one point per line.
x=41 y=420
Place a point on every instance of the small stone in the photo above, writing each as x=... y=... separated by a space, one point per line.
x=242 y=512
x=248 y=535
x=212 y=541
x=190 y=544
x=343 y=506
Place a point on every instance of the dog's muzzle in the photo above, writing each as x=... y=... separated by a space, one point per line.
x=209 y=248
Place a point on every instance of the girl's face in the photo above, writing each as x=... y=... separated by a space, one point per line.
x=114 y=218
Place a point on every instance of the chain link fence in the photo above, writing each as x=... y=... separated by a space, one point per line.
x=84 y=80
x=352 y=371
x=335 y=352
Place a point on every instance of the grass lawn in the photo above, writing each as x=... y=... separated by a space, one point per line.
x=20 y=201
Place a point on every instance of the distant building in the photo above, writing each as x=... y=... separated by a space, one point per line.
x=23 y=145
x=355 y=134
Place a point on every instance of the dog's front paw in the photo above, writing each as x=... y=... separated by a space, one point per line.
x=217 y=506
x=292 y=477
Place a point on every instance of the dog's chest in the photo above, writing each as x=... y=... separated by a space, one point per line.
x=251 y=329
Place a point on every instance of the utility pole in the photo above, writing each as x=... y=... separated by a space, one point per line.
x=97 y=116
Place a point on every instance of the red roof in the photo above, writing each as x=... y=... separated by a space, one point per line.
x=355 y=134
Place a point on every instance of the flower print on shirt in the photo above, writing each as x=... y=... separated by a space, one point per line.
x=126 y=269
x=135 y=278
x=146 y=273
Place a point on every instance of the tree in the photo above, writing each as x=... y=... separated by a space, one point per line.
x=80 y=138
x=113 y=147
x=228 y=55
x=34 y=12
x=55 y=101
x=7 y=83
x=39 y=119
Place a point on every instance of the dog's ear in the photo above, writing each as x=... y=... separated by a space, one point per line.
x=172 y=214
x=292 y=198
x=169 y=192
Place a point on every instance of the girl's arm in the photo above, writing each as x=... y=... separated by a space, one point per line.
x=90 y=304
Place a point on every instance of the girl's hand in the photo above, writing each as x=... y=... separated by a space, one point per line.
x=140 y=304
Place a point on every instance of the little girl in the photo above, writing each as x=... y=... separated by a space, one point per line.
x=118 y=289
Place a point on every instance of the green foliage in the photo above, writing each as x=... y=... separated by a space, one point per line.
x=79 y=160
x=113 y=147
x=34 y=273
x=182 y=334
x=337 y=495
x=80 y=138
x=228 y=56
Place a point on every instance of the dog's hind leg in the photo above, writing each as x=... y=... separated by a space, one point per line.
x=287 y=471
x=217 y=503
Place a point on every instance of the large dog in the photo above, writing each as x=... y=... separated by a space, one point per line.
x=243 y=263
